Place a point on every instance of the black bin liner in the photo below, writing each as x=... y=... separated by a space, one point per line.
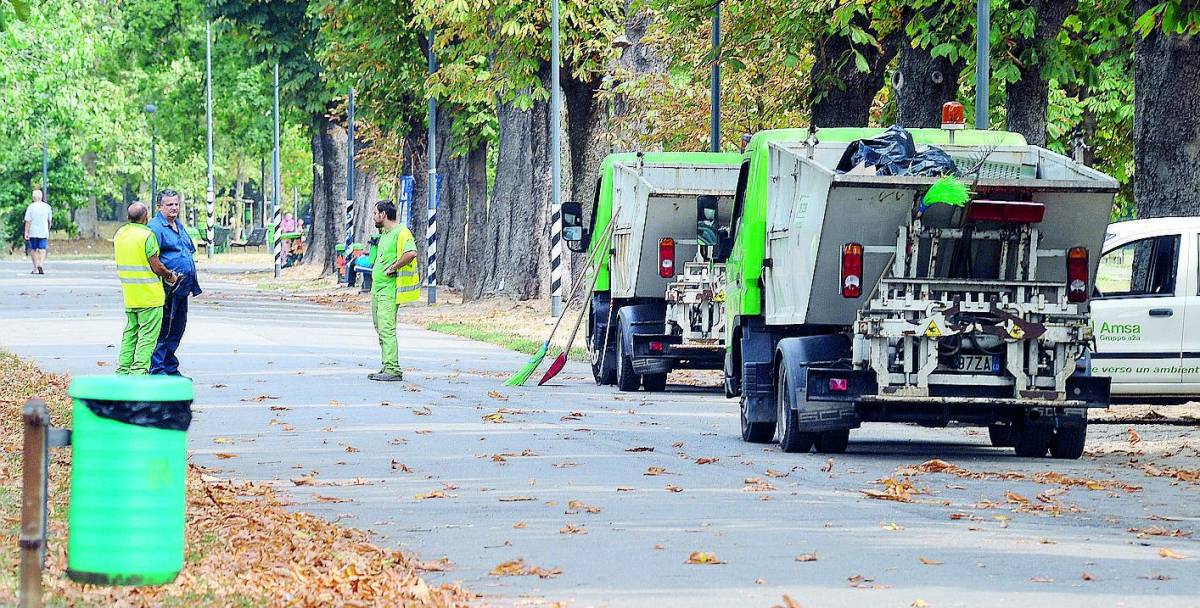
x=166 y=415
x=893 y=152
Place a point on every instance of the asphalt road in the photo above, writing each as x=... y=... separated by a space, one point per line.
x=281 y=387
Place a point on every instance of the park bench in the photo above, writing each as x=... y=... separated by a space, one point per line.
x=257 y=238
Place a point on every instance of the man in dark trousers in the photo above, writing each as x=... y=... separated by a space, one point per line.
x=176 y=251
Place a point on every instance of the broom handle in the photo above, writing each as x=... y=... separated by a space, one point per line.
x=579 y=281
x=582 y=313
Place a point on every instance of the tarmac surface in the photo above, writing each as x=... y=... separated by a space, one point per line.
x=618 y=490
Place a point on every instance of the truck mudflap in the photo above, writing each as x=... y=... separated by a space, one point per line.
x=660 y=353
x=860 y=386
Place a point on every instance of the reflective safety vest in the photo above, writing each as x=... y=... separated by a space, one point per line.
x=140 y=286
x=408 y=280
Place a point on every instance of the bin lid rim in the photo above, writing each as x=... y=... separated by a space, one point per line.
x=132 y=388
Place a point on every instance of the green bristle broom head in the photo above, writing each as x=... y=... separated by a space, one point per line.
x=947 y=191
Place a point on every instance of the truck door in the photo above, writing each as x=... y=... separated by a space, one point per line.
x=1139 y=316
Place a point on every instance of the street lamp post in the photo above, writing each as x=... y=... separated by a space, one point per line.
x=151 y=109
x=210 y=194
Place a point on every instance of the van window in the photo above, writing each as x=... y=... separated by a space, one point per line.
x=1142 y=268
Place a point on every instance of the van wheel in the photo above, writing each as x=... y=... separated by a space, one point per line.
x=1032 y=440
x=755 y=432
x=787 y=422
x=1001 y=435
x=1068 y=442
x=833 y=442
x=654 y=383
x=627 y=381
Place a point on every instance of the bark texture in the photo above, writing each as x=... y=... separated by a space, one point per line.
x=923 y=83
x=842 y=95
x=1166 y=123
x=517 y=232
x=85 y=217
x=1025 y=100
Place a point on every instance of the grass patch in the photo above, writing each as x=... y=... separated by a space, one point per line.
x=509 y=341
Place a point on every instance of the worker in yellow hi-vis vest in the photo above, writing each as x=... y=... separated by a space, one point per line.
x=394 y=282
x=142 y=276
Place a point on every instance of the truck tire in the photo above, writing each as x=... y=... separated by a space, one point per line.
x=1068 y=441
x=833 y=442
x=603 y=374
x=1032 y=440
x=654 y=383
x=627 y=381
x=755 y=432
x=787 y=422
x=1001 y=435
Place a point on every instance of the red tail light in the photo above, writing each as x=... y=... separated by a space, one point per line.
x=1011 y=212
x=656 y=347
x=1077 y=274
x=666 y=258
x=852 y=270
x=839 y=385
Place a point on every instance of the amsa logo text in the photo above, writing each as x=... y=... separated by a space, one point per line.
x=1118 y=332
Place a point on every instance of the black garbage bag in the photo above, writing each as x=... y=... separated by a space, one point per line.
x=167 y=415
x=893 y=152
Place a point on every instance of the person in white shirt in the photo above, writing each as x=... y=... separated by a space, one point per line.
x=37 y=231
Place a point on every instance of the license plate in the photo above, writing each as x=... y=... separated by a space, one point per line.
x=979 y=363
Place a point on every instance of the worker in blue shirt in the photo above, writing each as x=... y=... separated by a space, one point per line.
x=176 y=251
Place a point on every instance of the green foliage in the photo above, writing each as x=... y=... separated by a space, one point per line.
x=22 y=175
x=1180 y=17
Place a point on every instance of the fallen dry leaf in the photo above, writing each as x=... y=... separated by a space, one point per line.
x=777 y=474
x=919 y=604
x=1134 y=437
x=639 y=449
x=331 y=499
x=516 y=498
x=573 y=529
x=930 y=562
x=1169 y=554
x=496 y=395
x=673 y=488
x=428 y=495
x=806 y=557
x=519 y=525
x=828 y=466
x=703 y=557
x=222 y=440
x=1087 y=576
x=351 y=449
x=224 y=456
x=400 y=466
x=788 y=602
x=705 y=460
x=307 y=480
x=1041 y=579
x=575 y=506
x=655 y=471
x=495 y=417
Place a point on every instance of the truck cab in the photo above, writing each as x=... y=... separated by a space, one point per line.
x=1144 y=309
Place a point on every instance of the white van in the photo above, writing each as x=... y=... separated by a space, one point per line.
x=1144 y=311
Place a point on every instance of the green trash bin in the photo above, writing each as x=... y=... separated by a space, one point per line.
x=128 y=469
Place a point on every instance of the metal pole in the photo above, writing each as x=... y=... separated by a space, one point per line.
x=210 y=196
x=431 y=226
x=262 y=196
x=34 y=462
x=153 y=168
x=983 y=58
x=715 y=92
x=350 y=174
x=277 y=188
x=556 y=303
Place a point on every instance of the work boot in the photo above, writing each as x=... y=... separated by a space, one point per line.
x=387 y=377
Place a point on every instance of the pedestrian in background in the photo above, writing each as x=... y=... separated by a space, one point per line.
x=394 y=282
x=177 y=255
x=140 y=269
x=37 y=232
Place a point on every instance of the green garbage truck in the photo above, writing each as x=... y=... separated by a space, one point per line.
x=854 y=295
x=657 y=305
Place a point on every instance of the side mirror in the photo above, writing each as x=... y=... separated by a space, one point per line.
x=724 y=245
x=706 y=221
x=573 y=231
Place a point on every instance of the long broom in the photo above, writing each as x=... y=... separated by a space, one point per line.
x=527 y=370
x=561 y=361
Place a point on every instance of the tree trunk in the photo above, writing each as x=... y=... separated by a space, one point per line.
x=85 y=217
x=517 y=225
x=1026 y=99
x=841 y=94
x=924 y=83
x=1166 y=123
x=416 y=165
x=463 y=194
x=326 y=210
x=588 y=143
x=640 y=57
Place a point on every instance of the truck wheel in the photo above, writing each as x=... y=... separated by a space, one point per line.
x=1001 y=435
x=603 y=374
x=1032 y=440
x=755 y=432
x=833 y=442
x=627 y=381
x=654 y=383
x=1068 y=442
x=787 y=422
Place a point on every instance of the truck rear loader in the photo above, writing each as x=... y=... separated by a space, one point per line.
x=850 y=300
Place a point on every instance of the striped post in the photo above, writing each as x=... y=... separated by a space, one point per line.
x=276 y=186
x=350 y=173
x=556 y=303
x=431 y=247
x=212 y=201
